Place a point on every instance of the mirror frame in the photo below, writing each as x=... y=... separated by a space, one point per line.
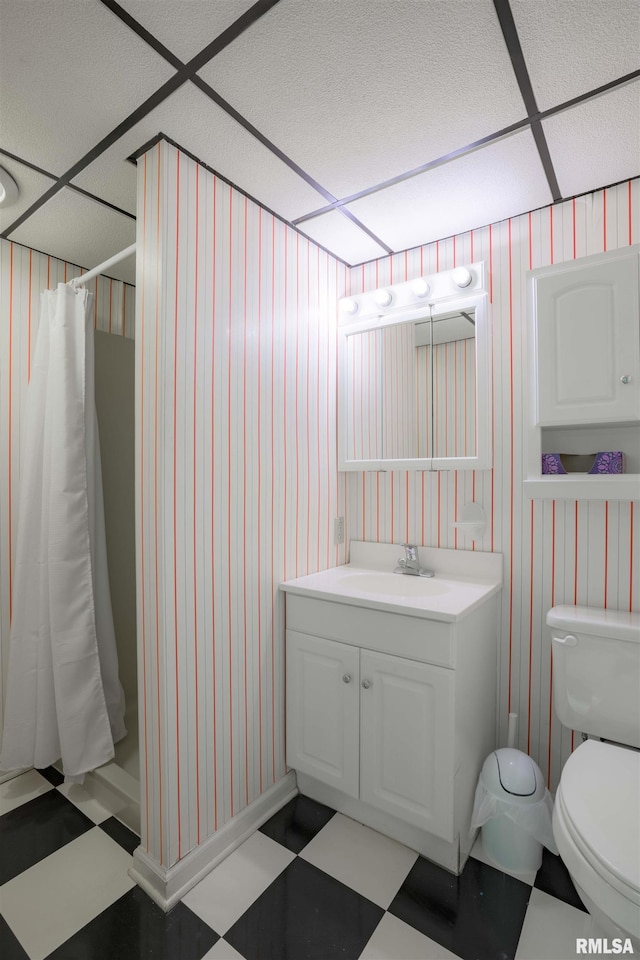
x=475 y=297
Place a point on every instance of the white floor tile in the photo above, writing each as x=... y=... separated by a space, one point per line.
x=222 y=951
x=550 y=929
x=21 y=789
x=364 y=860
x=52 y=900
x=91 y=807
x=479 y=853
x=224 y=895
x=393 y=938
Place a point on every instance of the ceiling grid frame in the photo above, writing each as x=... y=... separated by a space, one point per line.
x=186 y=72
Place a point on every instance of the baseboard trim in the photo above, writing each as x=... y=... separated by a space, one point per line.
x=168 y=885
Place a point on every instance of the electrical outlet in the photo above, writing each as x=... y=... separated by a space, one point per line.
x=338 y=530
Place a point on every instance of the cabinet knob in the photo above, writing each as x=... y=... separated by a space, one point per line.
x=366 y=684
x=625 y=379
x=346 y=678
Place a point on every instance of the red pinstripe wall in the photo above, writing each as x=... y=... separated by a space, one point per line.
x=555 y=552
x=24 y=274
x=237 y=485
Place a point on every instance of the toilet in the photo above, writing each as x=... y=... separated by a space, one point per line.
x=596 y=817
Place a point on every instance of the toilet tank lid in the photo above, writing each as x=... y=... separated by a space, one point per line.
x=615 y=624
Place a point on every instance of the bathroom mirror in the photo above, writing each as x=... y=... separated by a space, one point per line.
x=415 y=387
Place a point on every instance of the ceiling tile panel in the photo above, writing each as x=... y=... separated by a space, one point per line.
x=571 y=48
x=598 y=142
x=186 y=26
x=360 y=92
x=193 y=121
x=69 y=72
x=341 y=236
x=80 y=231
x=31 y=186
x=501 y=180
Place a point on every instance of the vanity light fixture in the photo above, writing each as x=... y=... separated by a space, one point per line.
x=420 y=287
x=383 y=297
x=461 y=276
x=8 y=189
x=350 y=306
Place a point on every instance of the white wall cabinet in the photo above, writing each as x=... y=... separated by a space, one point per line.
x=588 y=342
x=390 y=717
x=584 y=376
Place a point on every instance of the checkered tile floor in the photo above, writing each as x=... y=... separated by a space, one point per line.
x=309 y=884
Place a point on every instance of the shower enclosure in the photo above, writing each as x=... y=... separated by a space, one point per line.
x=118 y=782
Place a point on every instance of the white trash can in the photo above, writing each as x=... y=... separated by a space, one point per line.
x=514 y=809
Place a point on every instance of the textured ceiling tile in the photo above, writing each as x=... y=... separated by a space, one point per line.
x=502 y=180
x=342 y=237
x=193 y=121
x=80 y=231
x=70 y=72
x=570 y=47
x=359 y=92
x=186 y=26
x=31 y=186
x=598 y=142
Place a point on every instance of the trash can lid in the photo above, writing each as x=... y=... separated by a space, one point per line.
x=512 y=772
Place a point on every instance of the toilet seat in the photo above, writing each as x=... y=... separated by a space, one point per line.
x=597 y=828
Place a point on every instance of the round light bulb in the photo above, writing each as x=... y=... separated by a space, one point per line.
x=461 y=277
x=8 y=188
x=350 y=306
x=420 y=287
x=383 y=298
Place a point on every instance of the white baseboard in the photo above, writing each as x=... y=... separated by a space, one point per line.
x=7 y=775
x=167 y=885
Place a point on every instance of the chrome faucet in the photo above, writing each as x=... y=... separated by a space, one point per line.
x=409 y=564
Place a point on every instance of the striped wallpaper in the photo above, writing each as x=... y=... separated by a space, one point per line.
x=555 y=552
x=237 y=482
x=24 y=274
x=237 y=485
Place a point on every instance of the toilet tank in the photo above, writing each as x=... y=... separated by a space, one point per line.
x=596 y=671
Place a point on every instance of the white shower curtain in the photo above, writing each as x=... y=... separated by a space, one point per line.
x=64 y=698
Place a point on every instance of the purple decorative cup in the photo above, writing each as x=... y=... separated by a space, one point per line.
x=551 y=463
x=608 y=462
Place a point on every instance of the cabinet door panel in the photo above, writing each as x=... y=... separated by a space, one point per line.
x=587 y=340
x=322 y=710
x=406 y=750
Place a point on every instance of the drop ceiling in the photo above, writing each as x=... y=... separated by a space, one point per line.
x=370 y=125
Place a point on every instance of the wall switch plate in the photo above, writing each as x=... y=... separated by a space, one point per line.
x=338 y=530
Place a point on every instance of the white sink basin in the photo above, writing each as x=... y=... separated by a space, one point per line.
x=464 y=580
x=399 y=584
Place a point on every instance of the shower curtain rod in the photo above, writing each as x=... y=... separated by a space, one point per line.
x=116 y=258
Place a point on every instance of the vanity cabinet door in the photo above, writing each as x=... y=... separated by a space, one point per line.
x=322 y=710
x=406 y=743
x=587 y=339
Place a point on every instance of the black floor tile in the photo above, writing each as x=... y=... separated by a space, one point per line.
x=478 y=915
x=36 y=829
x=135 y=928
x=297 y=823
x=52 y=775
x=553 y=878
x=305 y=915
x=121 y=834
x=10 y=948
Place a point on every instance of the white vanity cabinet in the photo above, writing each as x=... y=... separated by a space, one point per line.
x=376 y=727
x=390 y=715
x=323 y=710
